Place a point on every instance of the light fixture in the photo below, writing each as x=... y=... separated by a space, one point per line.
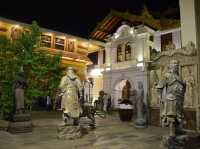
x=80 y=60
x=49 y=34
x=131 y=31
x=17 y=26
x=108 y=69
x=140 y=58
x=73 y=39
x=116 y=36
x=68 y=58
x=63 y=37
x=90 y=45
x=84 y=44
x=96 y=72
x=140 y=64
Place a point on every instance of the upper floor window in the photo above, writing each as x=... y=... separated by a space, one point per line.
x=94 y=57
x=127 y=52
x=59 y=43
x=45 y=41
x=151 y=38
x=119 y=53
x=15 y=33
x=104 y=56
x=166 y=39
x=71 y=45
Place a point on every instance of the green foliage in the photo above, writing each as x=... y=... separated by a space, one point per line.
x=42 y=71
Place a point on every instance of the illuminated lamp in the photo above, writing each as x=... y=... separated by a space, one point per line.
x=17 y=26
x=140 y=64
x=96 y=72
x=108 y=69
x=116 y=36
x=140 y=58
x=131 y=31
x=84 y=44
x=68 y=58
x=50 y=34
x=72 y=39
x=90 y=45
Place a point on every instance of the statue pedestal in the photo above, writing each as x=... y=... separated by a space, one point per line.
x=21 y=123
x=70 y=132
x=181 y=141
x=140 y=123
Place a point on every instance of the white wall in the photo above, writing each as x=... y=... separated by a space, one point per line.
x=176 y=38
x=188 y=21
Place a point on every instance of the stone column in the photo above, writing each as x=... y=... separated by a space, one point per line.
x=188 y=21
x=108 y=53
x=100 y=57
x=190 y=31
x=197 y=12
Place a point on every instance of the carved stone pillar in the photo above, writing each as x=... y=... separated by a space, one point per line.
x=197 y=12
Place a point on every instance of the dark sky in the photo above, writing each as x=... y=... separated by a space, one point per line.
x=77 y=17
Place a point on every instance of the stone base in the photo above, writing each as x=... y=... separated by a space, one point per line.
x=181 y=142
x=20 y=127
x=140 y=123
x=22 y=117
x=71 y=132
x=21 y=123
x=3 y=125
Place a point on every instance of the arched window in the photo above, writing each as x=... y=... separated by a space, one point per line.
x=127 y=52
x=119 y=53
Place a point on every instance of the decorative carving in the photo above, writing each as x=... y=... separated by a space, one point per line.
x=170 y=46
x=153 y=82
x=188 y=50
x=126 y=91
x=188 y=77
x=171 y=91
x=140 y=121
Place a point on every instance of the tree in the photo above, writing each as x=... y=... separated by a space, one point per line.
x=43 y=71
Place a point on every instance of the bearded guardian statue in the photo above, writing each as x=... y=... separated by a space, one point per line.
x=171 y=90
x=71 y=89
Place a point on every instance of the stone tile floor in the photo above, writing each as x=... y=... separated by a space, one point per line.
x=110 y=133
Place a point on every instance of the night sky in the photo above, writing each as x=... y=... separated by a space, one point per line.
x=77 y=17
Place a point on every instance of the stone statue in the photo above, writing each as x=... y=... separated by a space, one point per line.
x=71 y=89
x=140 y=121
x=126 y=91
x=190 y=86
x=171 y=90
x=106 y=102
x=21 y=120
x=19 y=84
x=170 y=46
x=153 y=82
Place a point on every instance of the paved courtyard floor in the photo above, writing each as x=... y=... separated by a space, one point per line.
x=110 y=133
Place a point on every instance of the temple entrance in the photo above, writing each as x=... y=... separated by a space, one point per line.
x=121 y=92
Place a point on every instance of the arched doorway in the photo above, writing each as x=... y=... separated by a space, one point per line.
x=118 y=91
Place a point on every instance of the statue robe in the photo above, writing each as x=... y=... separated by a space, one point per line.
x=71 y=87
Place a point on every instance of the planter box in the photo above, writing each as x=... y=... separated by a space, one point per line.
x=125 y=112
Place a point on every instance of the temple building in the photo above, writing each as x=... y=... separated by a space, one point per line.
x=74 y=49
x=130 y=43
x=138 y=48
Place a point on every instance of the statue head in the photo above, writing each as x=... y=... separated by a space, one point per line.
x=21 y=72
x=174 y=66
x=70 y=72
x=140 y=85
